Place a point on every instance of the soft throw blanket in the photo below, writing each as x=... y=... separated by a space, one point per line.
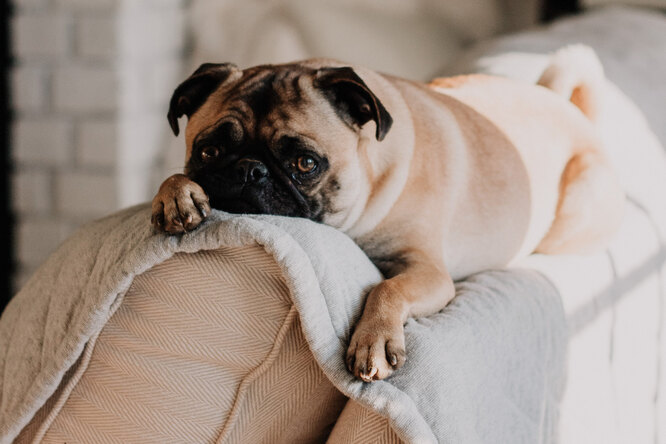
x=488 y=368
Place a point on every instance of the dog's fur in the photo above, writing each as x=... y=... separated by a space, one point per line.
x=434 y=182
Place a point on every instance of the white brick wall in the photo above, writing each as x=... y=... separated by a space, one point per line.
x=32 y=192
x=28 y=89
x=90 y=86
x=96 y=37
x=41 y=35
x=37 y=238
x=42 y=141
x=30 y=4
x=85 y=194
x=96 y=142
x=82 y=89
x=85 y=5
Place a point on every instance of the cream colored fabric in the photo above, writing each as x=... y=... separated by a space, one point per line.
x=205 y=348
x=358 y=424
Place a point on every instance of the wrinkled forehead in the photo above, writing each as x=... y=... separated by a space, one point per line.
x=266 y=102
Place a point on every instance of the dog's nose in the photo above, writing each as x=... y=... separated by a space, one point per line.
x=250 y=170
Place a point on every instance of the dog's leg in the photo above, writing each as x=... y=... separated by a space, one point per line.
x=377 y=347
x=590 y=207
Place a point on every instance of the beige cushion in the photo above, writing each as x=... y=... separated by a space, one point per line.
x=358 y=424
x=204 y=348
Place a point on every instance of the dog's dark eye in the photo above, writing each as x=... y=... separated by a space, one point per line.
x=209 y=153
x=305 y=164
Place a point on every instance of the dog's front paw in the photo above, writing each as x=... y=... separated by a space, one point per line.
x=180 y=205
x=376 y=349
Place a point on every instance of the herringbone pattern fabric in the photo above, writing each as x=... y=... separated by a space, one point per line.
x=358 y=424
x=293 y=402
x=204 y=347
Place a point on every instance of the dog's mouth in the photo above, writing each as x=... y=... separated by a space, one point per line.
x=238 y=206
x=261 y=196
x=239 y=199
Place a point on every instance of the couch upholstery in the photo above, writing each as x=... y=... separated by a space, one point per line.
x=204 y=346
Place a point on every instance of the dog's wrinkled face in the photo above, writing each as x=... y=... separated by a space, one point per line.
x=277 y=139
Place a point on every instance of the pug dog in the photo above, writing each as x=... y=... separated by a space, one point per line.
x=433 y=181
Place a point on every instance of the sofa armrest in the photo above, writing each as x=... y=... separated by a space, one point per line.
x=204 y=347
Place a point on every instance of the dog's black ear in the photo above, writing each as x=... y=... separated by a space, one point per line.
x=353 y=99
x=194 y=91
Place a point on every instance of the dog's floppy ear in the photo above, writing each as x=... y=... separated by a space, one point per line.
x=194 y=91
x=353 y=99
